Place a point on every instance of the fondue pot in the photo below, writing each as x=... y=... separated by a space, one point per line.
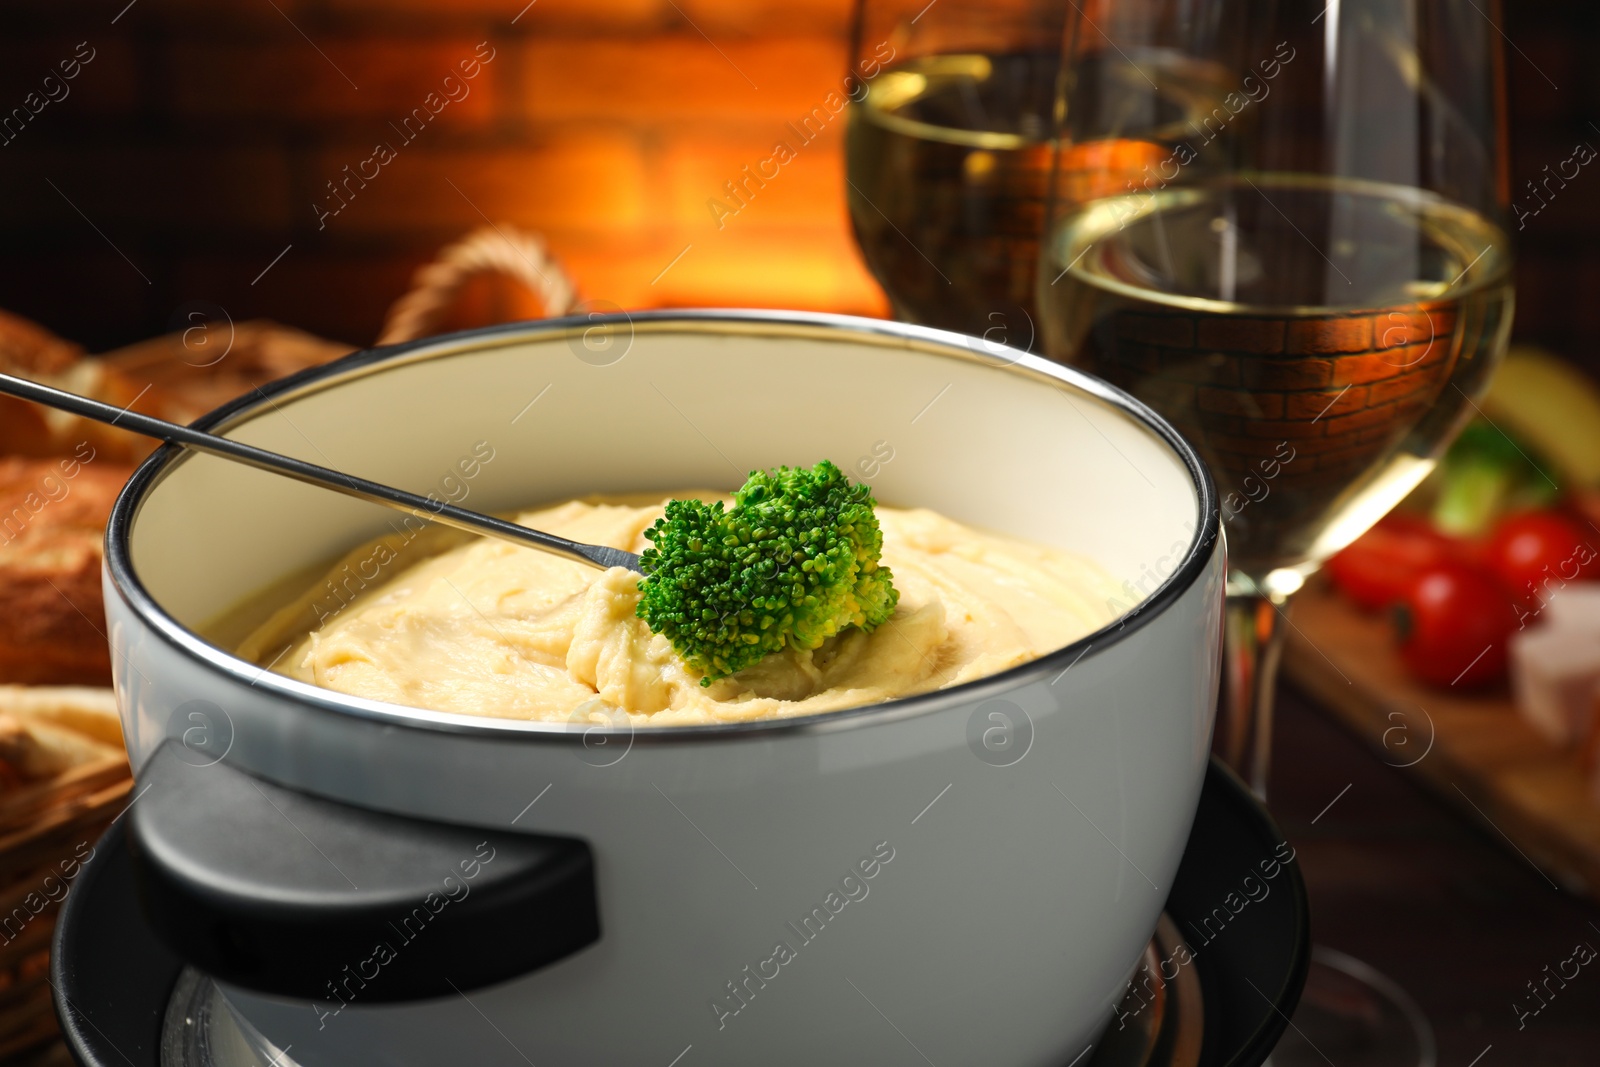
x=968 y=875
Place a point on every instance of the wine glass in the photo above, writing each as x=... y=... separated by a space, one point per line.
x=948 y=156
x=1283 y=225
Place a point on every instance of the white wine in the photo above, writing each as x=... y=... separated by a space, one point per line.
x=949 y=166
x=948 y=162
x=1318 y=341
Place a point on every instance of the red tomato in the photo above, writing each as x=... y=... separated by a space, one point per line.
x=1383 y=563
x=1537 y=552
x=1453 y=625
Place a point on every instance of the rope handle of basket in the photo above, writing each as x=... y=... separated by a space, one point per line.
x=519 y=255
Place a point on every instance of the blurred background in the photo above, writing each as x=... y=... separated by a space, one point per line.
x=198 y=143
x=299 y=160
x=200 y=139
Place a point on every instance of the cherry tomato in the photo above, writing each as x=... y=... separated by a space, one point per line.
x=1537 y=552
x=1383 y=563
x=1453 y=625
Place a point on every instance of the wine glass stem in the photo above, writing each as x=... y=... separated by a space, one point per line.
x=1252 y=645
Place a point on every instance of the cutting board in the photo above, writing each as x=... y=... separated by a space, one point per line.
x=1471 y=747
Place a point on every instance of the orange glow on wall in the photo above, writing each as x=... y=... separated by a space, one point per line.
x=205 y=139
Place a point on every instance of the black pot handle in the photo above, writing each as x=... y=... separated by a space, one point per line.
x=290 y=894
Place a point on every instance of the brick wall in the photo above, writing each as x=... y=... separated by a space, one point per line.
x=194 y=145
x=200 y=138
x=1554 y=88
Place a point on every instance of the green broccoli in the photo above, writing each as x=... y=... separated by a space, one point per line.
x=790 y=564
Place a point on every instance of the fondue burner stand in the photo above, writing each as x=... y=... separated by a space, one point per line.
x=1215 y=987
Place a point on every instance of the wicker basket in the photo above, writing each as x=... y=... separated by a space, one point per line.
x=46 y=828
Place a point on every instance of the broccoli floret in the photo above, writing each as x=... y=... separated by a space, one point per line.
x=791 y=563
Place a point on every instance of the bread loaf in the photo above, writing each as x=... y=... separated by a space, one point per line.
x=60 y=474
x=52 y=521
x=191 y=372
x=177 y=377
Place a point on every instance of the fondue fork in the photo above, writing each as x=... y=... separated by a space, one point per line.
x=421 y=507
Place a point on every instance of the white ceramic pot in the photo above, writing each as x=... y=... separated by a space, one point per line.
x=1022 y=831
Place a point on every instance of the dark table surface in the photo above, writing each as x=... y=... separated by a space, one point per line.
x=1401 y=880
x=1444 y=906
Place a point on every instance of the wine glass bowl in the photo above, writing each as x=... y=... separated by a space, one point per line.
x=1318 y=384
x=949 y=157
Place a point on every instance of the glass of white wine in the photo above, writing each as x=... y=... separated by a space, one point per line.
x=950 y=148
x=1311 y=280
x=948 y=156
